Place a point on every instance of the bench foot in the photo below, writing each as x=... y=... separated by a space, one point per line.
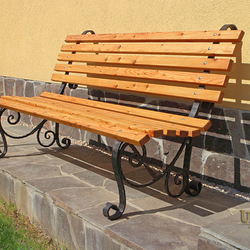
x=48 y=135
x=116 y=163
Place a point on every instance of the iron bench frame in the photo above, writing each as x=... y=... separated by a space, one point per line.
x=192 y=188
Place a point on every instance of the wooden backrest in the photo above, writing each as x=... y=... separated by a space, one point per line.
x=163 y=64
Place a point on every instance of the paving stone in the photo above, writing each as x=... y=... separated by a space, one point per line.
x=131 y=193
x=70 y=168
x=95 y=216
x=171 y=234
x=95 y=179
x=54 y=183
x=7 y=187
x=33 y=170
x=44 y=214
x=75 y=199
x=77 y=231
x=24 y=199
x=220 y=167
x=230 y=230
x=62 y=227
x=95 y=239
x=209 y=242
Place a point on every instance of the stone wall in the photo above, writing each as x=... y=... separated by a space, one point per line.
x=221 y=155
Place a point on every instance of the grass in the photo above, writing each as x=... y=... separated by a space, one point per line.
x=17 y=233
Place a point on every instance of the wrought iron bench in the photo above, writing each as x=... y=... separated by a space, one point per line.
x=160 y=64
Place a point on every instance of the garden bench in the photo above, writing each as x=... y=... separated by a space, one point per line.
x=173 y=65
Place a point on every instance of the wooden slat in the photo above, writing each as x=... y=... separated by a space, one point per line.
x=104 y=116
x=188 y=36
x=164 y=49
x=201 y=124
x=118 y=133
x=172 y=76
x=144 y=88
x=172 y=62
x=142 y=124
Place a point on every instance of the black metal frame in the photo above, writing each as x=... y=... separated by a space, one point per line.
x=136 y=159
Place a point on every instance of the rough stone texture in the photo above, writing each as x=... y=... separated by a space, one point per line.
x=236 y=132
x=9 y=85
x=80 y=93
x=1 y=86
x=7 y=187
x=62 y=227
x=155 y=233
x=209 y=242
x=44 y=214
x=39 y=88
x=29 y=89
x=98 y=241
x=220 y=167
x=244 y=173
x=20 y=84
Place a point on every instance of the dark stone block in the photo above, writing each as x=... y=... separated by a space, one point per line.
x=29 y=89
x=168 y=106
x=9 y=85
x=236 y=132
x=20 y=83
x=218 y=145
x=132 y=100
x=112 y=97
x=96 y=94
x=245 y=173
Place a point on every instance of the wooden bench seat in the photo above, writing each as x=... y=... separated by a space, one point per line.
x=191 y=66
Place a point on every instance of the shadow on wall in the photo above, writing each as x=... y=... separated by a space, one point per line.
x=222 y=154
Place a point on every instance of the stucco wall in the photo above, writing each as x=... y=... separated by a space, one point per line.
x=32 y=32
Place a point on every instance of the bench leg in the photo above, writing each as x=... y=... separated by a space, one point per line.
x=181 y=178
x=48 y=135
x=116 y=163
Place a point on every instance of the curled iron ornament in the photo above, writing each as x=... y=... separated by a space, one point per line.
x=46 y=136
x=12 y=117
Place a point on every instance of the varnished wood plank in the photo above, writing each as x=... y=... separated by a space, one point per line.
x=144 y=88
x=104 y=116
x=161 y=49
x=172 y=76
x=116 y=117
x=162 y=61
x=183 y=36
x=202 y=124
x=118 y=133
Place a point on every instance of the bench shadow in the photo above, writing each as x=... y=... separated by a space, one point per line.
x=206 y=204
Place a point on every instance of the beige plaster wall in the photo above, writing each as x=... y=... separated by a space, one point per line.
x=32 y=32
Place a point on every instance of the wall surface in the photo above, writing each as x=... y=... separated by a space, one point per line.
x=32 y=31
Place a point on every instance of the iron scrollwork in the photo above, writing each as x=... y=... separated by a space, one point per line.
x=49 y=135
x=176 y=183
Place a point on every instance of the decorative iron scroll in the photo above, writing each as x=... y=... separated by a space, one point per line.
x=49 y=135
x=176 y=183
